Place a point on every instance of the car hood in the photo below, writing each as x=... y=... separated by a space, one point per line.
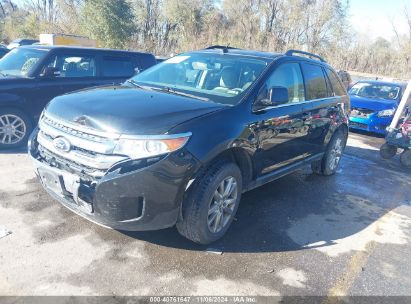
x=126 y=110
x=372 y=104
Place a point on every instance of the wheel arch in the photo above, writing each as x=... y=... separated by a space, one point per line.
x=241 y=158
x=343 y=127
x=238 y=155
x=16 y=102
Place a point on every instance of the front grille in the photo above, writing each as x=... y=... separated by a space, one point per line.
x=361 y=112
x=62 y=163
x=89 y=154
x=74 y=148
x=69 y=130
x=358 y=125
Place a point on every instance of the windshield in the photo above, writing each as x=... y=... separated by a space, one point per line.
x=20 y=62
x=372 y=90
x=221 y=78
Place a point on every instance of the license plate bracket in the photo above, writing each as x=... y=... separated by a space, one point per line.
x=64 y=185
x=51 y=181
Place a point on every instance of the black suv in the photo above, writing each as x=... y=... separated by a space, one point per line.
x=30 y=76
x=180 y=142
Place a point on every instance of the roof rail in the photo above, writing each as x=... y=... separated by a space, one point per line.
x=221 y=47
x=310 y=55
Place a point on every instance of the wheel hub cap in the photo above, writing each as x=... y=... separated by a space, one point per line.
x=12 y=129
x=222 y=205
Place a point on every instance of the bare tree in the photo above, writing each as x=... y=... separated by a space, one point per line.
x=170 y=26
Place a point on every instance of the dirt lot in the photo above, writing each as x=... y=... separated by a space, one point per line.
x=349 y=234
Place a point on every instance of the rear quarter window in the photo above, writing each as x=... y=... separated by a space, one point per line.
x=337 y=87
x=314 y=81
x=145 y=61
x=113 y=66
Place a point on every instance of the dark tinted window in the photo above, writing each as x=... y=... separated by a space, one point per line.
x=314 y=81
x=330 y=92
x=73 y=66
x=288 y=75
x=118 y=67
x=145 y=61
x=335 y=83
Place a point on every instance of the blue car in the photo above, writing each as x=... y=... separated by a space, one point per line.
x=373 y=104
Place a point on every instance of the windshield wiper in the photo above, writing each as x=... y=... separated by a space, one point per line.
x=135 y=84
x=172 y=91
x=166 y=90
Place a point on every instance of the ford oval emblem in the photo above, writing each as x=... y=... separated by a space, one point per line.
x=62 y=144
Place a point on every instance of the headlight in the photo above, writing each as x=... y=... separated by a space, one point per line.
x=149 y=146
x=386 y=113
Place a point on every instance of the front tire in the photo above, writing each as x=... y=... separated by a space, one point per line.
x=211 y=203
x=15 y=128
x=328 y=165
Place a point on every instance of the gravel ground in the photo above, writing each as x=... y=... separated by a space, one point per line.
x=302 y=235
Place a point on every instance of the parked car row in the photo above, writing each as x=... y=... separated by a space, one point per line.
x=178 y=143
x=30 y=76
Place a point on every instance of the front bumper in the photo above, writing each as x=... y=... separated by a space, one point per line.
x=145 y=199
x=373 y=123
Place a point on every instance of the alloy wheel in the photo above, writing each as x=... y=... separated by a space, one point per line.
x=12 y=129
x=222 y=205
x=335 y=154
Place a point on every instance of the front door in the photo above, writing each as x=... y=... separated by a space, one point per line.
x=282 y=130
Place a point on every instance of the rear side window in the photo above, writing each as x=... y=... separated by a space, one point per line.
x=146 y=61
x=314 y=81
x=118 y=66
x=335 y=83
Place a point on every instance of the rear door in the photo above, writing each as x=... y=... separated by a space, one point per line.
x=321 y=110
x=116 y=68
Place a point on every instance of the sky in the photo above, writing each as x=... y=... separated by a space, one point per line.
x=374 y=18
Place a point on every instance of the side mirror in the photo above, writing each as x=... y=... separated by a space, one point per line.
x=50 y=72
x=271 y=97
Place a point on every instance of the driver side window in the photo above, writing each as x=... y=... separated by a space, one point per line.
x=289 y=76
